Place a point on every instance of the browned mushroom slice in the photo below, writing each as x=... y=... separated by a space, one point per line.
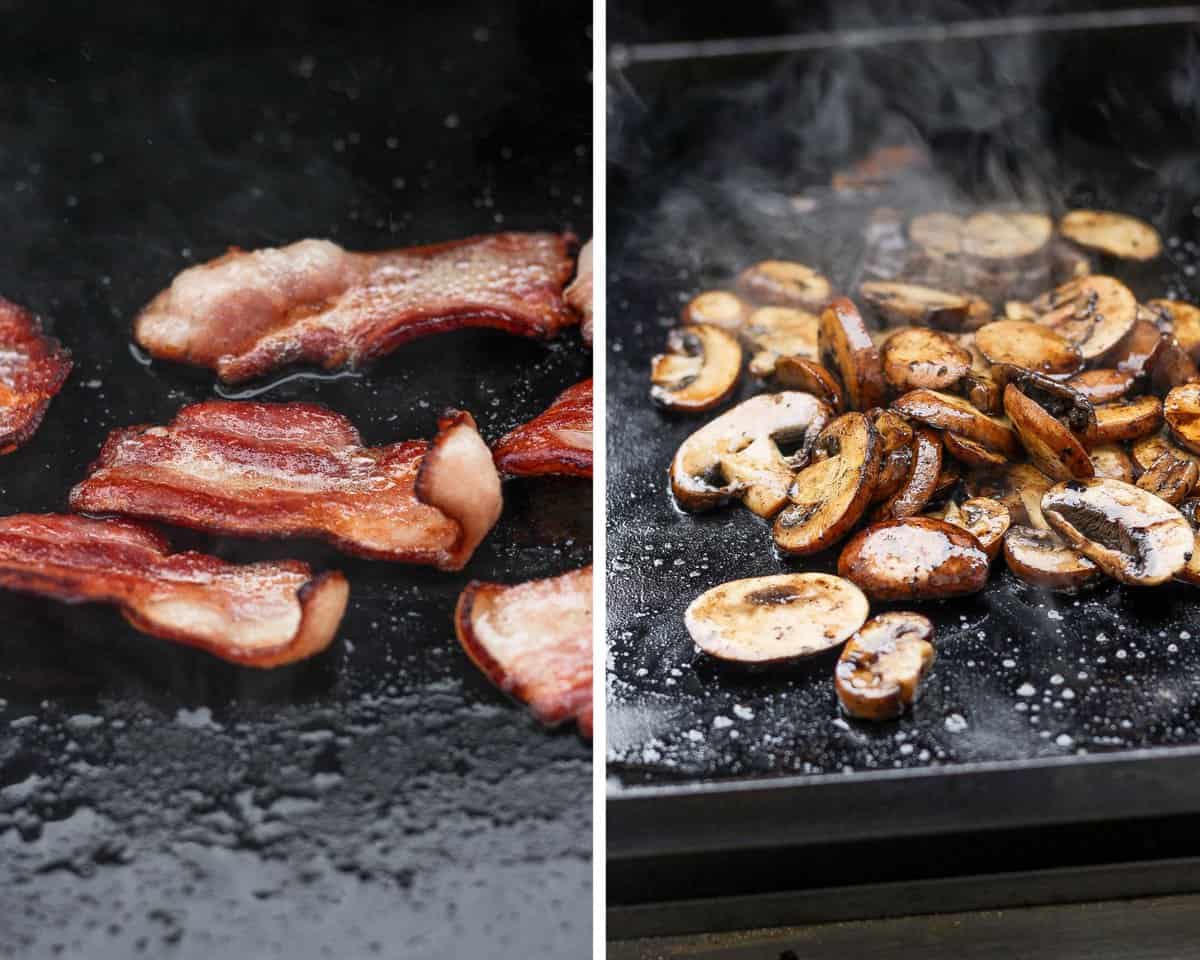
x=738 y=455
x=1102 y=385
x=1135 y=352
x=774 y=332
x=846 y=348
x=1006 y=238
x=1030 y=346
x=987 y=520
x=798 y=373
x=1093 y=313
x=1145 y=451
x=882 y=665
x=973 y=454
x=915 y=558
x=1181 y=410
x=939 y=233
x=1126 y=420
x=775 y=619
x=956 y=415
x=1170 y=478
x=1019 y=310
x=1191 y=513
x=829 y=496
x=1052 y=447
x=904 y=303
x=979 y=386
x=1043 y=559
x=947 y=481
x=1183 y=321
x=1171 y=366
x=1129 y=533
x=1019 y=488
x=720 y=308
x=1114 y=234
x=918 y=357
x=1058 y=399
x=784 y=283
x=921 y=480
x=1112 y=462
x=699 y=370
x=895 y=452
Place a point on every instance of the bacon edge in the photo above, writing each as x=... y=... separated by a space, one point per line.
x=579 y=293
x=47 y=364
x=551 y=703
x=544 y=446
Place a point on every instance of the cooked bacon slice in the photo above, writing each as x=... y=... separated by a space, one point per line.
x=300 y=470
x=579 y=293
x=557 y=441
x=255 y=614
x=33 y=368
x=248 y=312
x=534 y=641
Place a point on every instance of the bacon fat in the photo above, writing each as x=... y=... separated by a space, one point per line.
x=249 y=312
x=255 y=615
x=300 y=470
x=534 y=641
x=558 y=441
x=579 y=293
x=33 y=368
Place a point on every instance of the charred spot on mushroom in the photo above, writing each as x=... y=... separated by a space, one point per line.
x=1060 y=400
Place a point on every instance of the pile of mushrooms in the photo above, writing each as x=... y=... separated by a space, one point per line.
x=997 y=397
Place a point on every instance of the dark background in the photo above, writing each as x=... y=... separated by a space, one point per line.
x=383 y=798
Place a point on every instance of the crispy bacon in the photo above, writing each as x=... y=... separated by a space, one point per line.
x=247 y=313
x=534 y=641
x=33 y=368
x=579 y=293
x=255 y=614
x=300 y=470
x=557 y=441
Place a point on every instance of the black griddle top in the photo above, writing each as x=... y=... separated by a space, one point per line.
x=382 y=799
x=707 y=161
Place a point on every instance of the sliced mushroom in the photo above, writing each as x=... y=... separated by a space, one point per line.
x=1093 y=313
x=939 y=233
x=1042 y=559
x=1170 y=478
x=1135 y=352
x=882 y=665
x=921 y=480
x=1182 y=321
x=917 y=357
x=784 y=283
x=737 y=454
x=1030 y=346
x=1058 y=399
x=1171 y=366
x=956 y=415
x=774 y=619
x=1190 y=509
x=1112 y=462
x=1130 y=534
x=1181 y=410
x=699 y=370
x=912 y=303
x=1052 y=447
x=1102 y=385
x=847 y=349
x=718 y=308
x=896 y=452
x=798 y=373
x=774 y=332
x=1145 y=451
x=914 y=558
x=1114 y=234
x=1019 y=310
x=1126 y=420
x=987 y=520
x=829 y=496
x=973 y=454
x=1007 y=238
x=1020 y=488
x=979 y=386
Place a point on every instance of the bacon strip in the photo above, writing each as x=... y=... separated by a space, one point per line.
x=33 y=368
x=300 y=470
x=558 y=441
x=255 y=615
x=534 y=641
x=579 y=293
x=247 y=313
